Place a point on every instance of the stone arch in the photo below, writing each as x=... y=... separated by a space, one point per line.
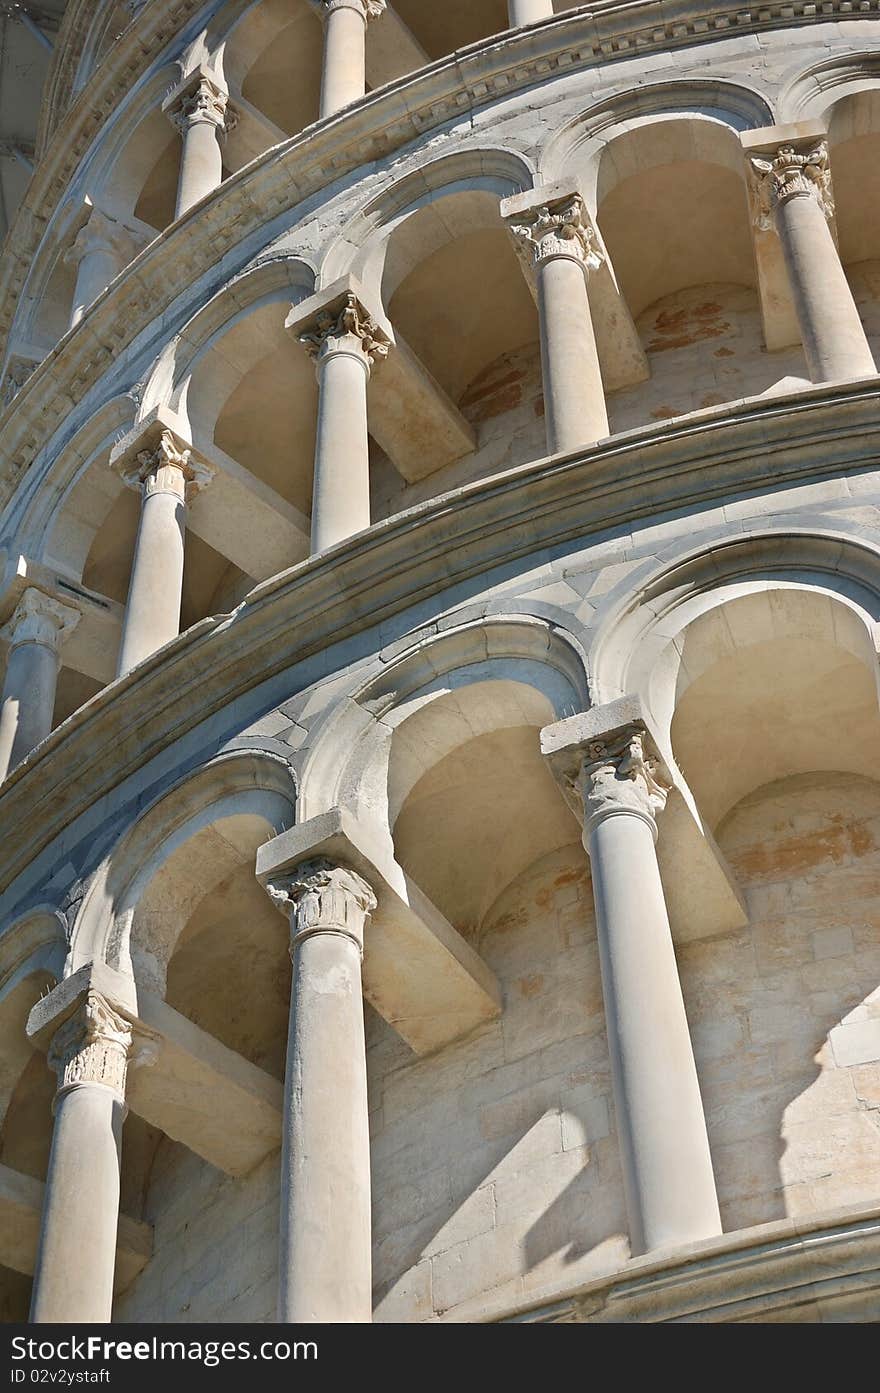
x=664 y=174
x=143 y=894
x=362 y=247
x=713 y=640
x=433 y=251
x=577 y=148
x=445 y=705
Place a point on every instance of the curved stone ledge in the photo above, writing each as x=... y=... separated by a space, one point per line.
x=385 y=120
x=776 y=1271
x=741 y=448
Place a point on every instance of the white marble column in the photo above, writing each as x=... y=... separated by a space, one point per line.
x=667 y=1167
x=103 y=248
x=199 y=110
x=561 y=244
x=325 y=1262
x=794 y=196
x=35 y=634
x=167 y=479
x=345 y=341
x=528 y=11
x=343 y=78
x=76 y=1256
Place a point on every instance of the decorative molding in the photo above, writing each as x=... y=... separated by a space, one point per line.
x=350 y=328
x=559 y=228
x=322 y=897
x=92 y=1046
x=618 y=775
x=791 y=173
x=38 y=618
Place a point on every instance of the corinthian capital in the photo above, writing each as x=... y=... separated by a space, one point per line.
x=199 y=99
x=92 y=1046
x=323 y=897
x=792 y=170
x=163 y=465
x=619 y=776
x=38 y=618
x=560 y=227
x=344 y=328
x=367 y=9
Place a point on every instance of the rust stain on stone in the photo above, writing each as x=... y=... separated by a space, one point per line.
x=494 y=391
x=790 y=856
x=686 y=326
x=532 y=985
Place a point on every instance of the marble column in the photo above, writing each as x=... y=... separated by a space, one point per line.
x=528 y=11
x=559 y=240
x=199 y=110
x=35 y=634
x=794 y=196
x=103 y=248
x=667 y=1167
x=345 y=342
x=325 y=1263
x=76 y=1255
x=167 y=479
x=344 y=79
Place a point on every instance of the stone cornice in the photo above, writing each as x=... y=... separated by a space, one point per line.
x=815 y=435
x=283 y=177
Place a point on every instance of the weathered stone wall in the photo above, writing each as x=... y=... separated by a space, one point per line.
x=785 y=1015
x=495 y=1164
x=216 y=1243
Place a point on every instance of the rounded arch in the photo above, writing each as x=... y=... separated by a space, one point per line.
x=439 y=752
x=757 y=660
x=143 y=893
x=279 y=278
x=362 y=246
x=808 y=94
x=76 y=493
x=578 y=146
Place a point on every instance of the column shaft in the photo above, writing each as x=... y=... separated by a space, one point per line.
x=28 y=702
x=166 y=477
x=325 y=1260
x=76 y=1254
x=555 y=236
x=343 y=78
x=341 y=495
x=97 y=269
x=528 y=11
x=35 y=634
x=152 y=611
x=574 y=398
x=73 y=1280
x=201 y=165
x=325 y=1270
x=835 y=345
x=667 y=1167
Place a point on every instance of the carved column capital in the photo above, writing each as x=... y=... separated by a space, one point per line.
x=618 y=775
x=792 y=170
x=38 y=618
x=200 y=100
x=102 y=233
x=165 y=467
x=92 y=1046
x=559 y=228
x=367 y=9
x=347 y=327
x=322 y=897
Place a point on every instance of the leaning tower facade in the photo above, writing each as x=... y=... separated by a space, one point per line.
x=440 y=733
